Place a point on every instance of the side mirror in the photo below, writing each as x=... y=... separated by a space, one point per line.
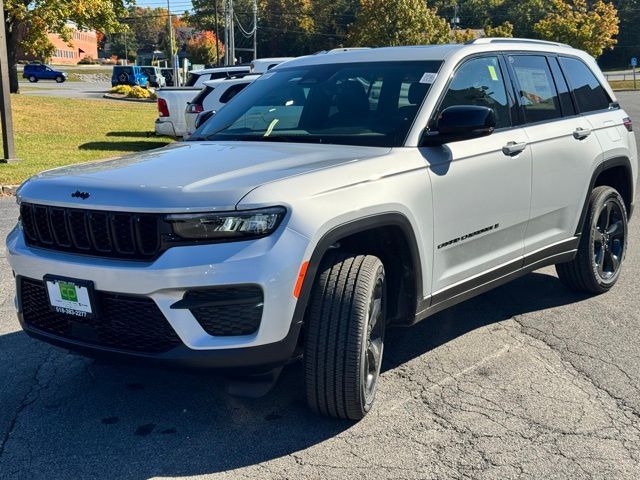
x=203 y=117
x=461 y=122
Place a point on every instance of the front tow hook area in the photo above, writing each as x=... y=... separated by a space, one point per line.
x=253 y=386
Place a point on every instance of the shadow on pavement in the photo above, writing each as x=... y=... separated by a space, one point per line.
x=82 y=419
x=131 y=134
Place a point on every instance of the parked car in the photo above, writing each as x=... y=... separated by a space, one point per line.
x=167 y=73
x=154 y=74
x=39 y=71
x=306 y=216
x=263 y=65
x=128 y=75
x=172 y=102
x=214 y=95
x=197 y=78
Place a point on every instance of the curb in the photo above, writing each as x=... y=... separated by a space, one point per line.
x=8 y=190
x=112 y=96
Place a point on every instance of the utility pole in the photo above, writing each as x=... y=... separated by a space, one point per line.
x=225 y=12
x=232 y=35
x=255 y=29
x=8 y=146
x=174 y=62
x=215 y=6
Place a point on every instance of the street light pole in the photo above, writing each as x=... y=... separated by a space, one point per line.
x=8 y=146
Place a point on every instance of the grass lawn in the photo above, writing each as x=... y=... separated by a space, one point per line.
x=51 y=132
x=624 y=84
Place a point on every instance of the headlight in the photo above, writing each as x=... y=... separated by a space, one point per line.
x=227 y=225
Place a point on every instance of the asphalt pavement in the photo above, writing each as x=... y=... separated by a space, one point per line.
x=527 y=381
x=50 y=88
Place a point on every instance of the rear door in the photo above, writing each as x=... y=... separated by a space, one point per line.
x=481 y=188
x=563 y=148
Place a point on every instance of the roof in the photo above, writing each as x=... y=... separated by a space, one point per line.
x=433 y=52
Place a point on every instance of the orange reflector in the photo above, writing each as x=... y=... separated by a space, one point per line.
x=300 y=281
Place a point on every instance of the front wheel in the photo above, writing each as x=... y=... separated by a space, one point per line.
x=603 y=244
x=59 y=79
x=344 y=335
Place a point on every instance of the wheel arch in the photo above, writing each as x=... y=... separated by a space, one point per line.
x=377 y=228
x=614 y=172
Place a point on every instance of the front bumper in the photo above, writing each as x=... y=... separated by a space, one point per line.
x=271 y=262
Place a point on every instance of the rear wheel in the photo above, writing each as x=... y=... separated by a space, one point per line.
x=344 y=339
x=602 y=247
x=33 y=79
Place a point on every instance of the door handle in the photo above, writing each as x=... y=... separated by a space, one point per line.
x=512 y=149
x=581 y=133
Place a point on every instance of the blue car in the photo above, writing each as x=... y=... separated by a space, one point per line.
x=39 y=71
x=128 y=75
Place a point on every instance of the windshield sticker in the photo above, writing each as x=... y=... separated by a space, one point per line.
x=428 y=77
x=492 y=72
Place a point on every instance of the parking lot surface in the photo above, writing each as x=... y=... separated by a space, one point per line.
x=527 y=381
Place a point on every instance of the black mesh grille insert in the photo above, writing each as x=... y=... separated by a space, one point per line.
x=227 y=311
x=105 y=234
x=122 y=322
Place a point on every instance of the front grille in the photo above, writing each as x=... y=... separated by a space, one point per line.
x=122 y=322
x=227 y=311
x=134 y=236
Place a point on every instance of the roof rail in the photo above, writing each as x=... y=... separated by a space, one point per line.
x=486 y=40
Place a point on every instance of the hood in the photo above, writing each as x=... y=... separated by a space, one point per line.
x=187 y=176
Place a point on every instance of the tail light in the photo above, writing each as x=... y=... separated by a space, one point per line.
x=163 y=108
x=194 y=108
x=626 y=121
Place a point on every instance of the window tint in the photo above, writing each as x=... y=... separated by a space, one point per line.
x=192 y=79
x=563 y=90
x=231 y=92
x=588 y=92
x=536 y=90
x=479 y=82
x=342 y=103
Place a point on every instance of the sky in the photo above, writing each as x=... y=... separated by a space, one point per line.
x=177 y=6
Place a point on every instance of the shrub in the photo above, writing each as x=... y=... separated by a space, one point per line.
x=121 y=89
x=138 y=92
x=153 y=95
x=88 y=61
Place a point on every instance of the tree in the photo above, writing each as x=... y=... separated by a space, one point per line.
x=124 y=45
x=462 y=36
x=27 y=23
x=587 y=27
x=505 y=30
x=202 y=49
x=401 y=22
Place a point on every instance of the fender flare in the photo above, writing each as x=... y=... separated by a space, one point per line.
x=603 y=167
x=389 y=219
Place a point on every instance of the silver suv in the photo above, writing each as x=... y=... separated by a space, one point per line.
x=336 y=195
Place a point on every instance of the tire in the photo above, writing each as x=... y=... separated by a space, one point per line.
x=33 y=79
x=59 y=79
x=344 y=335
x=603 y=244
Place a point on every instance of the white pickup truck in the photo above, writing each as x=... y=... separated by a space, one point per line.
x=171 y=105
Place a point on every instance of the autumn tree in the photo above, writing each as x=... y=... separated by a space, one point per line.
x=462 y=36
x=590 y=27
x=202 y=49
x=27 y=23
x=504 y=30
x=401 y=22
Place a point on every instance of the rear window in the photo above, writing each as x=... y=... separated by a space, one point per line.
x=232 y=91
x=127 y=70
x=198 y=99
x=192 y=79
x=589 y=94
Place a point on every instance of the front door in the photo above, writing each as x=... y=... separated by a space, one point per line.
x=482 y=187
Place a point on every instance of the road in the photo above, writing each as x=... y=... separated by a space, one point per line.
x=66 y=89
x=527 y=381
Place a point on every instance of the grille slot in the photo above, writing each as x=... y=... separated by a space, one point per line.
x=92 y=232
x=122 y=322
x=226 y=311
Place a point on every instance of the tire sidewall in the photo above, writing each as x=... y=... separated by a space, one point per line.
x=367 y=401
x=600 y=201
x=33 y=79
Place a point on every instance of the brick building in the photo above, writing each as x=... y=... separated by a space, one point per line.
x=84 y=43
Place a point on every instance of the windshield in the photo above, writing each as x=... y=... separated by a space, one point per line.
x=368 y=104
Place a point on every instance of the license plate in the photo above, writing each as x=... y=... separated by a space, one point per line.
x=70 y=297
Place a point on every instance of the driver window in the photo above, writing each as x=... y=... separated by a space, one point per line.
x=480 y=82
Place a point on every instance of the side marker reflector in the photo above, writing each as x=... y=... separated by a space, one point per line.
x=300 y=281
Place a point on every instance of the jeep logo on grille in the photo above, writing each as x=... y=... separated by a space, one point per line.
x=79 y=194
